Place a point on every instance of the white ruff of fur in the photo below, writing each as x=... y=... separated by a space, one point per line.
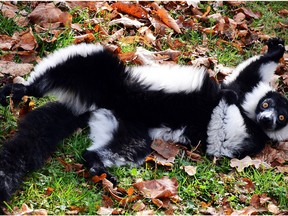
x=61 y=56
x=278 y=135
x=226 y=131
x=103 y=125
x=252 y=99
x=239 y=69
x=170 y=78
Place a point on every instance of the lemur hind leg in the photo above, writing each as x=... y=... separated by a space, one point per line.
x=115 y=142
x=38 y=134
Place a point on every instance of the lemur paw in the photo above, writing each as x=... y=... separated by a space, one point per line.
x=17 y=91
x=276 y=47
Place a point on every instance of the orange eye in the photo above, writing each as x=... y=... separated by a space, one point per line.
x=281 y=117
x=265 y=105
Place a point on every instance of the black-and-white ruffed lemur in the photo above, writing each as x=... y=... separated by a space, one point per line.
x=127 y=107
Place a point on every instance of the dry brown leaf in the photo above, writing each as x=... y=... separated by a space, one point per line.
x=127 y=22
x=246 y=162
x=273 y=208
x=282 y=169
x=159 y=160
x=165 y=149
x=107 y=201
x=250 y=210
x=15 y=69
x=130 y=8
x=49 y=191
x=47 y=13
x=25 y=210
x=105 y=211
x=138 y=206
x=283 y=12
x=99 y=178
x=161 y=188
x=249 y=13
x=145 y=213
x=6 y=42
x=166 y=18
x=25 y=40
x=274 y=155
x=8 y=10
x=87 y=38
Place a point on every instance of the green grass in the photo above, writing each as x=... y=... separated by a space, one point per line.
x=211 y=184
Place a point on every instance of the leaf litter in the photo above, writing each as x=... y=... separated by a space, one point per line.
x=147 y=24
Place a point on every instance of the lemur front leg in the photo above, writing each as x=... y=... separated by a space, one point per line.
x=257 y=69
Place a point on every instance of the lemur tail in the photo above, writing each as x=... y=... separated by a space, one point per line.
x=38 y=135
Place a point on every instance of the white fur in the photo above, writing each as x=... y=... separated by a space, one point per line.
x=61 y=56
x=252 y=99
x=170 y=78
x=267 y=71
x=278 y=135
x=226 y=130
x=167 y=134
x=110 y=159
x=239 y=69
x=71 y=100
x=102 y=124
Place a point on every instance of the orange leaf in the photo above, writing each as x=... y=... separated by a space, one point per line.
x=135 y=10
x=166 y=18
x=99 y=178
x=49 y=191
x=130 y=191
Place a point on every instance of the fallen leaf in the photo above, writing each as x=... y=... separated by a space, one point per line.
x=166 y=18
x=190 y=170
x=249 y=13
x=99 y=178
x=273 y=208
x=25 y=210
x=15 y=69
x=127 y=22
x=25 y=40
x=246 y=162
x=6 y=42
x=166 y=149
x=161 y=188
x=49 y=191
x=138 y=206
x=130 y=8
x=105 y=211
x=107 y=202
x=250 y=210
x=8 y=10
x=46 y=13
x=87 y=38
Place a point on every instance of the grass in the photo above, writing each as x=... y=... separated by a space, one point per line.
x=212 y=184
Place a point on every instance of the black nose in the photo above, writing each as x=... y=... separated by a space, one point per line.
x=266 y=122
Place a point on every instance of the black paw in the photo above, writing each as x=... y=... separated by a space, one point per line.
x=230 y=96
x=17 y=91
x=276 y=47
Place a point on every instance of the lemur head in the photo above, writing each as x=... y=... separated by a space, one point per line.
x=272 y=115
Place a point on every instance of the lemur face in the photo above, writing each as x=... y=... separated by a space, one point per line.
x=272 y=112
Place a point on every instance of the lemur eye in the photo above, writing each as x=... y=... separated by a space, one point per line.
x=265 y=105
x=281 y=117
